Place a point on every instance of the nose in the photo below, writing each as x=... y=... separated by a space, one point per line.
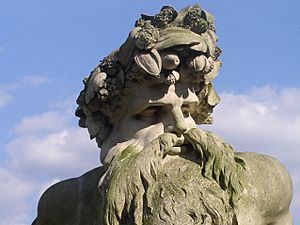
x=178 y=126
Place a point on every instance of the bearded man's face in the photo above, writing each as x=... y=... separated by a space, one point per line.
x=157 y=124
x=152 y=111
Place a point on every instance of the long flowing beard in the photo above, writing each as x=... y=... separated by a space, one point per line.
x=128 y=177
x=146 y=187
x=218 y=161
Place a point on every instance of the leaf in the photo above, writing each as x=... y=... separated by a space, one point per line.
x=126 y=50
x=179 y=19
x=211 y=40
x=209 y=17
x=201 y=47
x=173 y=36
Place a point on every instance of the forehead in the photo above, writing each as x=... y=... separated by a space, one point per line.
x=161 y=94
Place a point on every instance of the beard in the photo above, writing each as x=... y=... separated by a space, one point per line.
x=194 y=183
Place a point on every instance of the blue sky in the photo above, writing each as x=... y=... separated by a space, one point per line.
x=47 y=47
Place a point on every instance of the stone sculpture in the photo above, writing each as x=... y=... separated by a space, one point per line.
x=142 y=104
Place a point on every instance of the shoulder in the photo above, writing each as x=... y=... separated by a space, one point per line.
x=263 y=163
x=74 y=184
x=267 y=184
x=60 y=201
x=266 y=170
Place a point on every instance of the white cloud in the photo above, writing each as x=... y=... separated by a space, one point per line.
x=295 y=174
x=49 y=144
x=26 y=82
x=14 y=193
x=7 y=90
x=45 y=122
x=64 y=105
x=64 y=153
x=18 y=197
x=21 y=187
x=5 y=98
x=265 y=120
x=47 y=148
x=34 y=81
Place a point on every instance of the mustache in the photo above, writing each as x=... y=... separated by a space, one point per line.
x=193 y=139
x=134 y=170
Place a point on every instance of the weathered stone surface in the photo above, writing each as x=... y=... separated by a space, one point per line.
x=73 y=201
x=142 y=104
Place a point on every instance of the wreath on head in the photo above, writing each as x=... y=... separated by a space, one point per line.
x=160 y=48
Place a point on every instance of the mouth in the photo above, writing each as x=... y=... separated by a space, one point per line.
x=180 y=141
x=176 y=150
x=181 y=146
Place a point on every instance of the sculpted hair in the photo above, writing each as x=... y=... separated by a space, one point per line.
x=160 y=49
x=140 y=187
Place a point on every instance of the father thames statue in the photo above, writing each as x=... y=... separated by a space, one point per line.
x=142 y=104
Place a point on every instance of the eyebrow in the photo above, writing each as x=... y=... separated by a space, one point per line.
x=190 y=104
x=145 y=106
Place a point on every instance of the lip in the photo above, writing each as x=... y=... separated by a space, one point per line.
x=180 y=141
x=181 y=146
x=176 y=150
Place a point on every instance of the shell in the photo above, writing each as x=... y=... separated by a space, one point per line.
x=149 y=61
x=170 y=61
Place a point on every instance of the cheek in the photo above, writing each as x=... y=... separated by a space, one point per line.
x=128 y=127
x=149 y=133
x=190 y=122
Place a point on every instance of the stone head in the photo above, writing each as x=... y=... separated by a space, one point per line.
x=158 y=81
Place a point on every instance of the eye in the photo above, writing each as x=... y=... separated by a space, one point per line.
x=186 y=110
x=186 y=113
x=149 y=114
